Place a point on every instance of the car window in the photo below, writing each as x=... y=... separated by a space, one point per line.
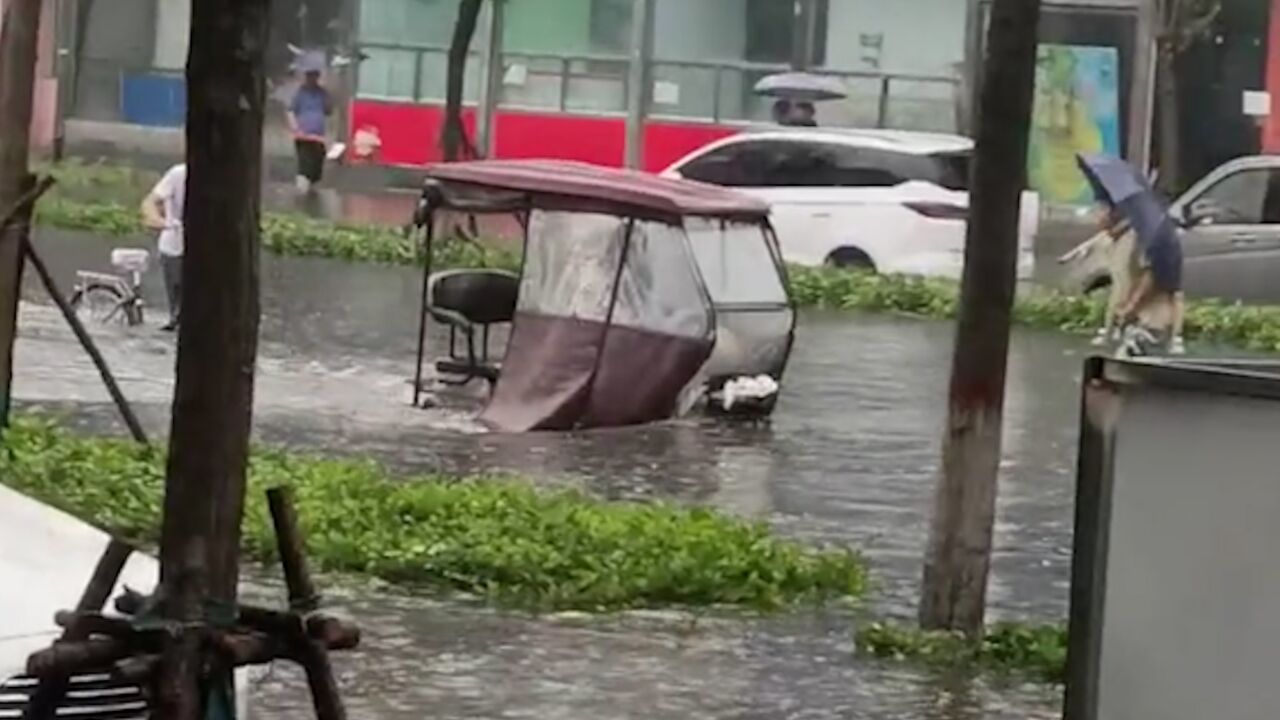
x=864 y=167
x=831 y=165
x=775 y=163
x=953 y=169
x=1248 y=197
x=735 y=165
x=761 y=163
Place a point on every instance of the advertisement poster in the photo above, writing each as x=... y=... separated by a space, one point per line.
x=1077 y=110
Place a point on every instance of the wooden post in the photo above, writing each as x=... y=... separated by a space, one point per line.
x=958 y=557
x=18 y=45
x=312 y=653
x=218 y=338
x=302 y=592
x=49 y=693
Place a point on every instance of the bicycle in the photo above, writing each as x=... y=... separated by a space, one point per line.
x=113 y=297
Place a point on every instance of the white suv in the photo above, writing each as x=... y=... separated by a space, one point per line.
x=885 y=200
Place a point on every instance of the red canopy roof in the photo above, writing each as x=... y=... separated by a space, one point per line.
x=563 y=182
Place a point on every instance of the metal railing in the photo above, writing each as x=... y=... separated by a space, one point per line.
x=693 y=90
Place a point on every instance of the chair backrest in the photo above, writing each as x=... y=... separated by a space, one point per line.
x=483 y=297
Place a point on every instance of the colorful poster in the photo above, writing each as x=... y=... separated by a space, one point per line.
x=1077 y=110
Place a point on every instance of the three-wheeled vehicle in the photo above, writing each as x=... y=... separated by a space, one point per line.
x=638 y=298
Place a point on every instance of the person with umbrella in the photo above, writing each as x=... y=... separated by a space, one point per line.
x=796 y=93
x=1150 y=312
x=307 y=116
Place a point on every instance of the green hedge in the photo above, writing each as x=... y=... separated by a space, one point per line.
x=1252 y=327
x=500 y=539
x=1038 y=651
x=284 y=234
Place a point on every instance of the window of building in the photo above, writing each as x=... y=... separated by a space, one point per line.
x=611 y=26
x=772 y=32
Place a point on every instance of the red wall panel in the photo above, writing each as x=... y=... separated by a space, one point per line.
x=410 y=135
x=1271 y=129
x=667 y=142
x=598 y=140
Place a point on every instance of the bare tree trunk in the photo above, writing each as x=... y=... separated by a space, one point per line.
x=454 y=142
x=217 y=350
x=1170 y=120
x=959 y=554
x=18 y=48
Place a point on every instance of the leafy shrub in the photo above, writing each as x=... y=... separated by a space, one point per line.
x=500 y=539
x=1039 y=651
x=290 y=235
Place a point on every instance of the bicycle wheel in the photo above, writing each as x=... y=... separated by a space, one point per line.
x=100 y=304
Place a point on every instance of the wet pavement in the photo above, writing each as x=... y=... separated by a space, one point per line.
x=849 y=459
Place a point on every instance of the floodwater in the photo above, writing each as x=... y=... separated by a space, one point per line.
x=849 y=459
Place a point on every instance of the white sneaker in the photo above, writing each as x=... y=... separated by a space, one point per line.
x=304 y=185
x=1177 y=346
x=1102 y=337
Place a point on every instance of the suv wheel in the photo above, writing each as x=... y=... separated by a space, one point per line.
x=850 y=258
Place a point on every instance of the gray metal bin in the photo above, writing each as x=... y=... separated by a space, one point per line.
x=1175 y=601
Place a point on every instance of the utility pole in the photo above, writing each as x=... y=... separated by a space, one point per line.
x=67 y=25
x=18 y=46
x=639 y=80
x=218 y=339
x=958 y=558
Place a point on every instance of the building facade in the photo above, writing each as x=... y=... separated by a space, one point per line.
x=562 y=87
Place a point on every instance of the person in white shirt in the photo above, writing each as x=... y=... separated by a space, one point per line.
x=162 y=211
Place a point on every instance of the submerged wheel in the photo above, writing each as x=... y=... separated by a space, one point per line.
x=850 y=258
x=101 y=304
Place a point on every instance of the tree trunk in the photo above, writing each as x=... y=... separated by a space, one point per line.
x=18 y=47
x=959 y=552
x=454 y=143
x=217 y=349
x=1170 y=121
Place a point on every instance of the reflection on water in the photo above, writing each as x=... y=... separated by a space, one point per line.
x=849 y=459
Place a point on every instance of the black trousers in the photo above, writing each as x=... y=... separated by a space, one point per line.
x=171 y=267
x=310 y=159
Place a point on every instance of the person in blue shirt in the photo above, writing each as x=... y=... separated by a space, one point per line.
x=308 y=116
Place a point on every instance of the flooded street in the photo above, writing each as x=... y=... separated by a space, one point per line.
x=849 y=459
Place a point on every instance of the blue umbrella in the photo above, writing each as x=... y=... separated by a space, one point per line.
x=1119 y=185
x=310 y=61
